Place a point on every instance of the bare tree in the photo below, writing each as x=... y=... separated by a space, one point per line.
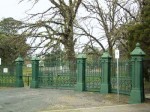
x=56 y=24
x=110 y=16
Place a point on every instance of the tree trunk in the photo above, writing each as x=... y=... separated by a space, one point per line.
x=70 y=53
x=111 y=51
x=71 y=60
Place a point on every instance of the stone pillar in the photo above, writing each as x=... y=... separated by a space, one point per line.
x=35 y=72
x=105 y=73
x=81 y=61
x=19 y=72
x=137 y=92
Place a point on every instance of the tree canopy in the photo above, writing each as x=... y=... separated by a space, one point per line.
x=140 y=31
x=56 y=25
x=105 y=23
x=12 y=44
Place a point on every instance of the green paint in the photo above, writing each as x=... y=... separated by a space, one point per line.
x=105 y=73
x=19 y=72
x=52 y=75
x=35 y=72
x=81 y=60
x=125 y=81
x=106 y=55
x=137 y=91
x=137 y=51
x=81 y=56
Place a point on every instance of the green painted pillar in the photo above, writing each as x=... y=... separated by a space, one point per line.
x=35 y=72
x=81 y=61
x=137 y=92
x=19 y=72
x=105 y=73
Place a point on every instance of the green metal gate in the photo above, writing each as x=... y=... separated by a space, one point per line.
x=27 y=80
x=146 y=73
x=57 y=75
x=7 y=76
x=93 y=76
x=27 y=75
x=125 y=81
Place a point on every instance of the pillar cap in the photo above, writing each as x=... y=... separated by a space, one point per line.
x=106 y=55
x=81 y=56
x=137 y=51
x=35 y=58
x=19 y=59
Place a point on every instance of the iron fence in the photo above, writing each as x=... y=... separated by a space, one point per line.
x=125 y=81
x=93 y=76
x=146 y=73
x=57 y=75
x=7 y=76
x=27 y=75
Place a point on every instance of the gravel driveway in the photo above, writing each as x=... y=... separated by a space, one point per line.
x=36 y=100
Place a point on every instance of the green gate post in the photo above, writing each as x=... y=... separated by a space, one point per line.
x=35 y=72
x=137 y=91
x=81 y=61
x=105 y=72
x=19 y=72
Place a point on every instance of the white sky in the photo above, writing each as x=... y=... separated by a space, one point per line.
x=16 y=10
x=12 y=8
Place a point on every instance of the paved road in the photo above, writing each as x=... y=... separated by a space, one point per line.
x=49 y=100
x=116 y=108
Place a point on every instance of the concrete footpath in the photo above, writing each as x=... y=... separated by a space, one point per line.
x=118 y=108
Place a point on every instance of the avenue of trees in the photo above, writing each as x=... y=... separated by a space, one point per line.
x=102 y=24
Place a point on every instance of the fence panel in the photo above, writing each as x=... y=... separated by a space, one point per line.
x=125 y=81
x=27 y=75
x=57 y=75
x=146 y=73
x=7 y=76
x=93 y=76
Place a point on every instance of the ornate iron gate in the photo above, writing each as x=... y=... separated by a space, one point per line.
x=27 y=80
x=57 y=75
x=27 y=75
x=93 y=76
x=125 y=81
x=146 y=73
x=7 y=76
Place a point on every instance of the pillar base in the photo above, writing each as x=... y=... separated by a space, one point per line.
x=80 y=87
x=34 y=84
x=105 y=88
x=19 y=83
x=136 y=96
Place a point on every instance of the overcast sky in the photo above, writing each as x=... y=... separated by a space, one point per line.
x=12 y=8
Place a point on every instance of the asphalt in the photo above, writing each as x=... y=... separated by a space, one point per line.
x=117 y=108
x=55 y=100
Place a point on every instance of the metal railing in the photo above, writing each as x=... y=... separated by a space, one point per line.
x=57 y=75
x=125 y=81
x=7 y=76
x=93 y=76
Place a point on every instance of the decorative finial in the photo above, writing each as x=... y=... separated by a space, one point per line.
x=137 y=51
x=137 y=44
x=106 y=50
